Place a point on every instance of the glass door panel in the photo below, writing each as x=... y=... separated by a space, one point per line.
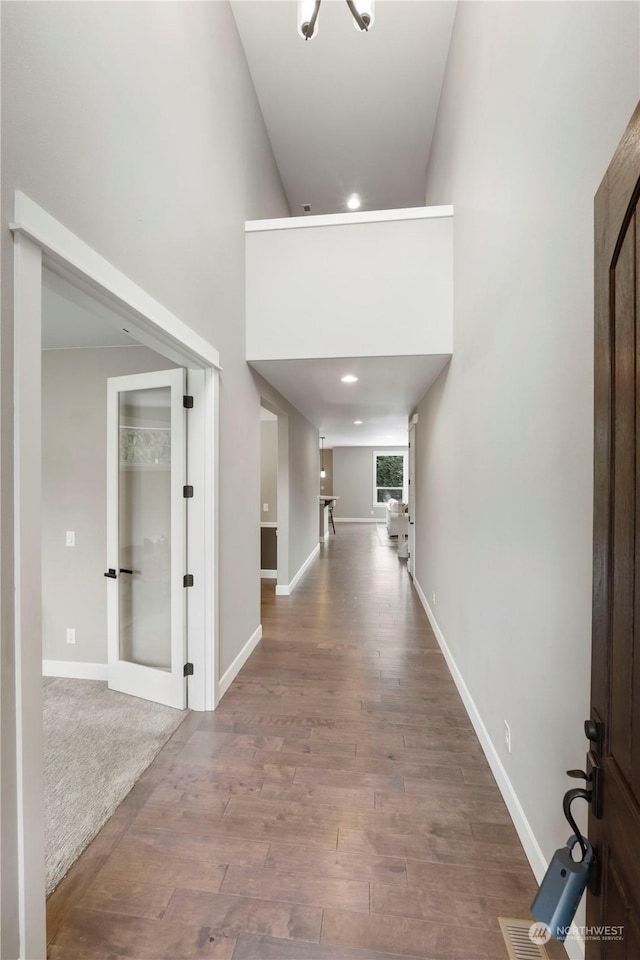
x=144 y=508
x=146 y=536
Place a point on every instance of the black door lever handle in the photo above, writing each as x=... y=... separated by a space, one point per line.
x=111 y=573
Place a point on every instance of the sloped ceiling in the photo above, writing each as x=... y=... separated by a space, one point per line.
x=349 y=112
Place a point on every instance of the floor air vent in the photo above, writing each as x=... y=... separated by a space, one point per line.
x=520 y=946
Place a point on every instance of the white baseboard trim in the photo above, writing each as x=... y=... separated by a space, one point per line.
x=74 y=670
x=359 y=519
x=532 y=849
x=522 y=825
x=229 y=675
x=285 y=589
x=268 y=574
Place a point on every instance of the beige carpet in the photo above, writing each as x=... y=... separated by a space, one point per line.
x=97 y=743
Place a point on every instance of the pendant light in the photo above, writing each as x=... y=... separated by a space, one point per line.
x=308 y=10
x=323 y=472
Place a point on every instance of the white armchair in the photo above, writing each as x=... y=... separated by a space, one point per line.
x=395 y=512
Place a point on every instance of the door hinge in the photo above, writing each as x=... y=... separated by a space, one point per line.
x=187 y=402
x=188 y=669
x=187 y=491
x=187 y=580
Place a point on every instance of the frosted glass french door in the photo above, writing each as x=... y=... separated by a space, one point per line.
x=146 y=536
x=411 y=563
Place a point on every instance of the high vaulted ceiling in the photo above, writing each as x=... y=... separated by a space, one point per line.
x=349 y=112
x=346 y=112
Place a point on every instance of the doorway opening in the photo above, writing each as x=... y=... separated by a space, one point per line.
x=43 y=248
x=411 y=559
x=274 y=483
x=268 y=500
x=112 y=488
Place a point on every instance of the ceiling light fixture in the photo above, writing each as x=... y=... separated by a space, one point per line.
x=354 y=202
x=357 y=423
x=349 y=378
x=308 y=10
x=323 y=472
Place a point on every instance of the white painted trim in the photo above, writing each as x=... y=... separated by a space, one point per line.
x=74 y=670
x=61 y=245
x=402 y=452
x=286 y=589
x=39 y=240
x=212 y=536
x=358 y=519
x=344 y=219
x=531 y=846
x=268 y=524
x=202 y=426
x=574 y=946
x=268 y=574
x=27 y=547
x=229 y=675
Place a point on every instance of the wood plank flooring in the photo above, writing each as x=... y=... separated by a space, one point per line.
x=337 y=805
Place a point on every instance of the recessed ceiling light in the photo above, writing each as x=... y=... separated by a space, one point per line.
x=349 y=378
x=354 y=202
x=357 y=422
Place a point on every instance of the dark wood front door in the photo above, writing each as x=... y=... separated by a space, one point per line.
x=615 y=677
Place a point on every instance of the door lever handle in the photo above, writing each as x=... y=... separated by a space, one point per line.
x=123 y=570
x=594 y=787
x=111 y=573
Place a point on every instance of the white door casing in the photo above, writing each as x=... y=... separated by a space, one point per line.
x=411 y=562
x=41 y=240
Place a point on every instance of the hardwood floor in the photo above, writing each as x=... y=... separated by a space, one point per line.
x=337 y=805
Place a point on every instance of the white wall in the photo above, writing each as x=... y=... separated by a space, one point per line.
x=268 y=493
x=350 y=290
x=298 y=476
x=326 y=484
x=353 y=482
x=74 y=495
x=269 y=470
x=535 y=98
x=137 y=126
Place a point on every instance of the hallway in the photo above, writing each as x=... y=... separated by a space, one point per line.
x=337 y=804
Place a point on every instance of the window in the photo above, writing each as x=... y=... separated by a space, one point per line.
x=389 y=476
